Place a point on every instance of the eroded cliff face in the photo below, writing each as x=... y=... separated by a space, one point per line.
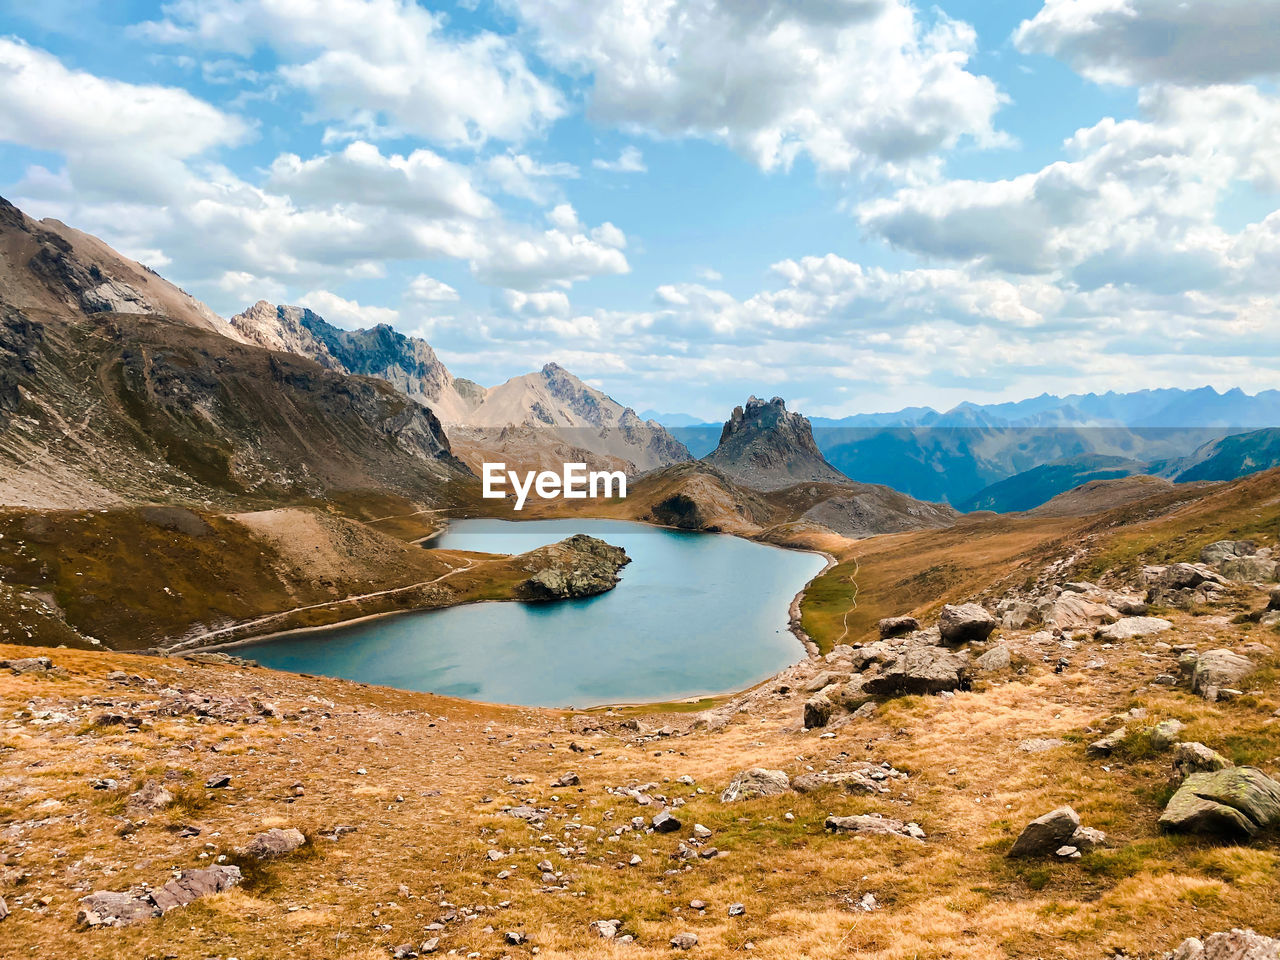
x=765 y=446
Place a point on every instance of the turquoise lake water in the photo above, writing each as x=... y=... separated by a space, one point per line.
x=694 y=614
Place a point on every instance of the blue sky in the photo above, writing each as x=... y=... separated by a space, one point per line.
x=857 y=204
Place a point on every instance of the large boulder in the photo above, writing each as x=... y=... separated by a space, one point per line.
x=818 y=710
x=896 y=626
x=1043 y=835
x=873 y=824
x=1233 y=804
x=1250 y=569
x=1129 y=627
x=275 y=843
x=965 y=622
x=1192 y=757
x=1219 y=668
x=1071 y=611
x=192 y=884
x=1228 y=945
x=108 y=909
x=1215 y=553
x=921 y=669
x=756 y=782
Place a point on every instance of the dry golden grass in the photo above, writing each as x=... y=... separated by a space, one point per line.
x=424 y=822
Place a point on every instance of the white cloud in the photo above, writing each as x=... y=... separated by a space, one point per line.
x=47 y=106
x=564 y=254
x=364 y=59
x=422 y=182
x=425 y=289
x=630 y=160
x=548 y=303
x=347 y=314
x=521 y=176
x=851 y=83
x=1137 y=205
x=1144 y=41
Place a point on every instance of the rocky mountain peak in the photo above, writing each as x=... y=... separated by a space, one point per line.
x=766 y=446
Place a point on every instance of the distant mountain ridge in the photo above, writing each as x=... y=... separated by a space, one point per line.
x=525 y=417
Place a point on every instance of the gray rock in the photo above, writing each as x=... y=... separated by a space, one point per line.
x=107 y=909
x=665 y=822
x=1046 y=834
x=896 y=626
x=569 y=779
x=921 y=669
x=1229 y=945
x=817 y=711
x=430 y=946
x=997 y=658
x=193 y=884
x=850 y=781
x=1040 y=744
x=605 y=929
x=965 y=622
x=275 y=843
x=218 y=781
x=1105 y=746
x=756 y=782
x=1087 y=838
x=823 y=680
x=871 y=824
x=737 y=909
x=1192 y=757
x=1127 y=628
x=1219 y=668
x=684 y=941
x=28 y=665
x=1234 y=803
x=1215 y=553
x=1249 y=569
x=1273 y=602
x=1165 y=733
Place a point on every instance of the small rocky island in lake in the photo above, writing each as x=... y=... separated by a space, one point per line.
x=577 y=566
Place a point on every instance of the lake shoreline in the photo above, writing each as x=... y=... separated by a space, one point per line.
x=792 y=624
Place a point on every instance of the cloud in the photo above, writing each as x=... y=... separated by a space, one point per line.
x=425 y=289
x=1137 y=204
x=422 y=182
x=630 y=160
x=521 y=176
x=850 y=83
x=347 y=314
x=530 y=261
x=549 y=303
x=1148 y=41
x=361 y=60
x=47 y=106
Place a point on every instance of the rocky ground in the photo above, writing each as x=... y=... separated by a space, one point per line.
x=1078 y=771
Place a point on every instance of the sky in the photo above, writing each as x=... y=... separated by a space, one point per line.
x=858 y=205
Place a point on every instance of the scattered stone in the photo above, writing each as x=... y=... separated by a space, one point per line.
x=966 y=622
x=818 y=711
x=684 y=941
x=28 y=665
x=756 y=782
x=665 y=822
x=1087 y=838
x=404 y=951
x=997 y=658
x=853 y=781
x=1273 y=602
x=1195 y=757
x=897 y=626
x=430 y=946
x=1046 y=834
x=570 y=779
x=274 y=843
x=1067 y=853
x=107 y=909
x=1128 y=628
x=1105 y=746
x=921 y=669
x=217 y=782
x=736 y=909
x=701 y=832
x=605 y=929
x=1234 y=803
x=190 y=885
x=873 y=824
x=1165 y=734
x=1232 y=945
x=1219 y=668
x=515 y=938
